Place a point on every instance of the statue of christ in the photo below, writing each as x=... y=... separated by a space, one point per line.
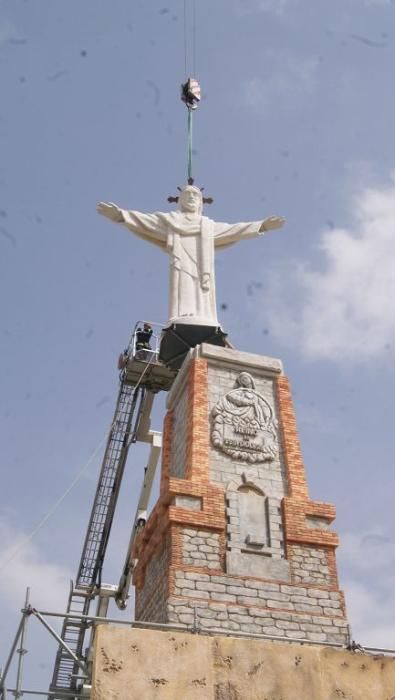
x=190 y=239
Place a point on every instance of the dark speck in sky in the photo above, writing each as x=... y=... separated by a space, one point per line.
x=369 y=42
x=224 y=307
x=164 y=11
x=3 y=213
x=83 y=53
x=252 y=286
x=265 y=331
x=8 y=235
x=57 y=75
x=89 y=333
x=22 y=79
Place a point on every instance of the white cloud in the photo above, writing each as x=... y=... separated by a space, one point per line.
x=49 y=582
x=371 y=615
x=370 y=551
x=346 y=310
x=284 y=78
x=368 y=582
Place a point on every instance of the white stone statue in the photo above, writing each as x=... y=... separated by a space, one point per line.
x=190 y=239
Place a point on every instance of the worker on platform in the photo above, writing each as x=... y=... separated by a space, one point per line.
x=143 y=338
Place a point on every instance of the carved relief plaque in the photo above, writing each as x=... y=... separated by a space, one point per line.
x=243 y=424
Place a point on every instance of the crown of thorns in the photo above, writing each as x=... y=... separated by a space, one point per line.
x=206 y=200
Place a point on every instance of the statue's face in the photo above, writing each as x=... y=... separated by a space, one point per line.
x=191 y=200
x=245 y=380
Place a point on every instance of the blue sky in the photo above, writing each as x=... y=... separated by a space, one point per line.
x=296 y=120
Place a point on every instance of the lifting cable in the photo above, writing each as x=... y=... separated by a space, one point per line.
x=193 y=31
x=190 y=90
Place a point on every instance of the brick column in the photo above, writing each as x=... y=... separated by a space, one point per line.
x=296 y=477
x=198 y=423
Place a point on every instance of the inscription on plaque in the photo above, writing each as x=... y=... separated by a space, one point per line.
x=243 y=423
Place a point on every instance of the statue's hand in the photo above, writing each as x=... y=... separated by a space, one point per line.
x=206 y=281
x=111 y=211
x=272 y=222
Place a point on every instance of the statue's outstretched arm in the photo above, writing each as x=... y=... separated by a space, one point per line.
x=151 y=227
x=227 y=234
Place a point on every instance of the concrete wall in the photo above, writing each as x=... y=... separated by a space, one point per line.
x=131 y=664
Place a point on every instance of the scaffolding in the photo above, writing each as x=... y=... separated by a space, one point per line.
x=142 y=375
x=91 y=622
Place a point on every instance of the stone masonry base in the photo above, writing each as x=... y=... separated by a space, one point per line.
x=232 y=543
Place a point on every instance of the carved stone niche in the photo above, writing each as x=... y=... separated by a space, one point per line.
x=243 y=425
x=254 y=534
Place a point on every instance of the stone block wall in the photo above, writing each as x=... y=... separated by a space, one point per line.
x=310 y=565
x=258 y=607
x=201 y=548
x=235 y=542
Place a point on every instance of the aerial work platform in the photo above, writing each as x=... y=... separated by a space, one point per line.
x=157 y=376
x=140 y=363
x=152 y=359
x=179 y=338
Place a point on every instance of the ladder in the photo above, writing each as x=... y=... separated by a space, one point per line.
x=123 y=432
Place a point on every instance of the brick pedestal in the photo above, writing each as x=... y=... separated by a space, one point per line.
x=234 y=541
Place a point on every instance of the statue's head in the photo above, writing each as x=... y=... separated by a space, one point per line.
x=245 y=380
x=191 y=200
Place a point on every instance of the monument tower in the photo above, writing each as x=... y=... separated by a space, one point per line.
x=235 y=541
x=236 y=588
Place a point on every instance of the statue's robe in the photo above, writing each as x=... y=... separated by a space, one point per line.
x=190 y=240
